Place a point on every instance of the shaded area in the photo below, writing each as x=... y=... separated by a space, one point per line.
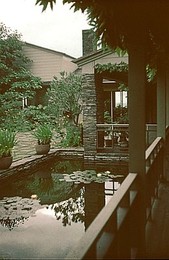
x=158 y=228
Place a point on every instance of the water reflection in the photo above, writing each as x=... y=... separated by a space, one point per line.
x=11 y=223
x=15 y=210
x=67 y=201
x=71 y=210
x=83 y=206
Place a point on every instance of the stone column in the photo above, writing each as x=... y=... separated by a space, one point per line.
x=89 y=116
x=99 y=107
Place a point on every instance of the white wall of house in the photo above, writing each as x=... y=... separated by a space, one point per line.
x=48 y=63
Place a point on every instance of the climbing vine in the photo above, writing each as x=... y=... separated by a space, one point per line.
x=120 y=67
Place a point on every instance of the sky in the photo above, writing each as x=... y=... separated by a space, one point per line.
x=59 y=30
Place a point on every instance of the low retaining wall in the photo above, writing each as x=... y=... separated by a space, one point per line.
x=32 y=162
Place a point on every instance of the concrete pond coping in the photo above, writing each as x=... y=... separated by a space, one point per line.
x=33 y=161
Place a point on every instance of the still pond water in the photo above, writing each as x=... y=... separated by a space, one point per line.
x=43 y=214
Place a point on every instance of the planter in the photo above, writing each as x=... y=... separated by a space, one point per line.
x=42 y=148
x=5 y=162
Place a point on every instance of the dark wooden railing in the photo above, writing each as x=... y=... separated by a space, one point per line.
x=115 y=231
x=114 y=137
x=154 y=171
x=107 y=234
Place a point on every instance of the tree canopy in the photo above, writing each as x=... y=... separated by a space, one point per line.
x=118 y=21
x=64 y=96
x=16 y=81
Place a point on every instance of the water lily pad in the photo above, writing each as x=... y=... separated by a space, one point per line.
x=88 y=176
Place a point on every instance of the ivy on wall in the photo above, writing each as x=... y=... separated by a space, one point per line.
x=123 y=67
x=109 y=67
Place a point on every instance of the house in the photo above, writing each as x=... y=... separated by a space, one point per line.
x=97 y=89
x=46 y=64
x=103 y=72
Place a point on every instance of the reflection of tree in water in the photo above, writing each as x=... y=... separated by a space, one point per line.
x=71 y=210
x=15 y=210
x=11 y=223
x=67 y=166
x=46 y=185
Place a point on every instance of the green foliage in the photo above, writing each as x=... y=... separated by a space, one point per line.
x=38 y=115
x=107 y=117
x=121 y=115
x=116 y=67
x=120 y=52
x=64 y=97
x=123 y=87
x=7 y=142
x=67 y=166
x=151 y=73
x=72 y=136
x=26 y=119
x=45 y=3
x=43 y=133
x=135 y=17
x=123 y=67
x=16 y=122
x=16 y=81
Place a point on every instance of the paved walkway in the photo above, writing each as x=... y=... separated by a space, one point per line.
x=158 y=228
x=26 y=145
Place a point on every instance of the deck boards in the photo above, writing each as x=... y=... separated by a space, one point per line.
x=158 y=228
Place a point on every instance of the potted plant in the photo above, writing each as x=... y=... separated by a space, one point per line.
x=7 y=142
x=43 y=134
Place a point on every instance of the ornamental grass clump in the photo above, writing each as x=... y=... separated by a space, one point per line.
x=7 y=142
x=43 y=134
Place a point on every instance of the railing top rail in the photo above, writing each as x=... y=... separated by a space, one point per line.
x=101 y=220
x=112 y=124
x=150 y=149
x=120 y=125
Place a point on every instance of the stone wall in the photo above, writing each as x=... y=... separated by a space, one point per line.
x=89 y=116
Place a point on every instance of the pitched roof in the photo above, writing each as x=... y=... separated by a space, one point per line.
x=49 y=50
x=92 y=56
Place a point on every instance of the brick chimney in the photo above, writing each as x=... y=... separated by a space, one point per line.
x=88 y=41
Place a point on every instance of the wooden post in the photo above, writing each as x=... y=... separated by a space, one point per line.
x=137 y=126
x=167 y=121
x=167 y=94
x=161 y=97
x=161 y=103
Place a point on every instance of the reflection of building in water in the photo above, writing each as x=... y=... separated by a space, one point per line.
x=97 y=196
x=110 y=188
x=94 y=201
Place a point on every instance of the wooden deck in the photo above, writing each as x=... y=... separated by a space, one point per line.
x=158 y=229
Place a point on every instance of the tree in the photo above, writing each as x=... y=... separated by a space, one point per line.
x=16 y=81
x=64 y=97
x=119 y=22
x=65 y=105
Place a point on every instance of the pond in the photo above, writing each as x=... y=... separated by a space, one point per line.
x=44 y=213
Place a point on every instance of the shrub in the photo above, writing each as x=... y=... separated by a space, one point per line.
x=43 y=133
x=7 y=142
